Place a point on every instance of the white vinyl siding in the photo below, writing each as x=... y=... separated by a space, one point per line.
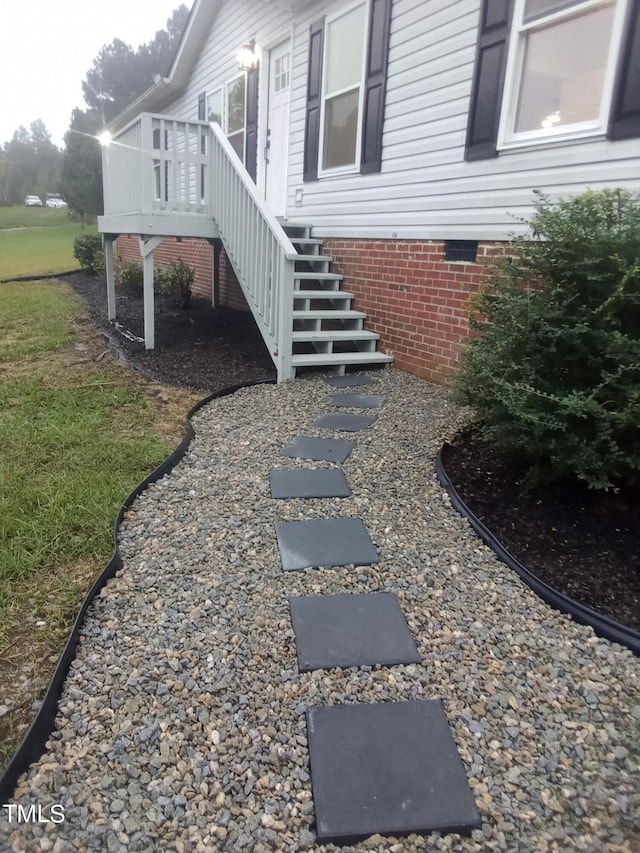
x=234 y=27
x=426 y=189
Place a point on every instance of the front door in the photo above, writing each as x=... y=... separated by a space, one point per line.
x=277 y=147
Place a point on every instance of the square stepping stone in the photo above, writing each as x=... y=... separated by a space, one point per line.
x=318 y=449
x=357 y=401
x=346 y=423
x=390 y=768
x=350 y=380
x=351 y=630
x=324 y=542
x=320 y=483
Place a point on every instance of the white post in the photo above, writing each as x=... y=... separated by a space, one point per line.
x=147 y=246
x=106 y=180
x=285 y=338
x=111 y=277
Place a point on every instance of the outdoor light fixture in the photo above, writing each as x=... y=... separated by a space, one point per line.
x=247 y=56
x=104 y=138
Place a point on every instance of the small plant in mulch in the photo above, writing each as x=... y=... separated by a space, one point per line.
x=176 y=281
x=553 y=372
x=173 y=281
x=130 y=277
x=88 y=251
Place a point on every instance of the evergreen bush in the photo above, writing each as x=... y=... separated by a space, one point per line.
x=553 y=372
x=87 y=250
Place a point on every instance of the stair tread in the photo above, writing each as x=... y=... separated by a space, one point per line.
x=310 y=275
x=317 y=359
x=335 y=334
x=312 y=258
x=312 y=241
x=322 y=294
x=328 y=314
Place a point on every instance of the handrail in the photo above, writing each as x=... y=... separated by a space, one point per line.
x=163 y=165
x=261 y=254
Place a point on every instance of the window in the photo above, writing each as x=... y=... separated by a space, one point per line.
x=235 y=117
x=347 y=74
x=554 y=69
x=342 y=89
x=561 y=64
x=282 y=73
x=215 y=107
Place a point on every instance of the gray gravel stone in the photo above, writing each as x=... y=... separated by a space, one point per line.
x=181 y=725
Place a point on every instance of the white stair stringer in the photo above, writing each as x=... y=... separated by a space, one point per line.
x=327 y=332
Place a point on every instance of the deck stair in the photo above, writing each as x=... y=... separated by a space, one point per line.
x=327 y=332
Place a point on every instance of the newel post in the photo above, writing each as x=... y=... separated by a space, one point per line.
x=284 y=277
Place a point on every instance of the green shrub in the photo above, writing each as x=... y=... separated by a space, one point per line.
x=130 y=277
x=87 y=250
x=554 y=372
x=176 y=280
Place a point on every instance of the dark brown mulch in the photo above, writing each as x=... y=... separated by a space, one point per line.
x=583 y=543
x=197 y=347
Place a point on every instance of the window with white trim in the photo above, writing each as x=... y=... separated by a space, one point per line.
x=562 y=59
x=235 y=114
x=282 y=73
x=215 y=106
x=342 y=89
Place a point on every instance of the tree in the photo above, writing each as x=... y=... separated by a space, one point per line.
x=4 y=179
x=120 y=74
x=32 y=163
x=82 y=164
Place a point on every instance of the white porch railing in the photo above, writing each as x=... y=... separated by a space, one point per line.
x=260 y=252
x=158 y=164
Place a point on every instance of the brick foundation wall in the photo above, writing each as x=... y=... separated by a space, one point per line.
x=415 y=300
x=196 y=253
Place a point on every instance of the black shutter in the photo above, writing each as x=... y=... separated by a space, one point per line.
x=374 y=86
x=314 y=97
x=251 y=143
x=488 y=79
x=201 y=107
x=624 y=121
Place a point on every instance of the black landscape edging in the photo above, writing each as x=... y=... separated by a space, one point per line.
x=33 y=744
x=41 y=277
x=602 y=625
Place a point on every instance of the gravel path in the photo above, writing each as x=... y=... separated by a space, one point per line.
x=182 y=725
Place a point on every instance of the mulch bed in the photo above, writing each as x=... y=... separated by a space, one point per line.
x=198 y=347
x=583 y=543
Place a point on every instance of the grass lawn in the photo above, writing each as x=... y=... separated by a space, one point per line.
x=78 y=431
x=39 y=251
x=21 y=216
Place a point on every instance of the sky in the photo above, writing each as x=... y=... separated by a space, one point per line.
x=47 y=47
